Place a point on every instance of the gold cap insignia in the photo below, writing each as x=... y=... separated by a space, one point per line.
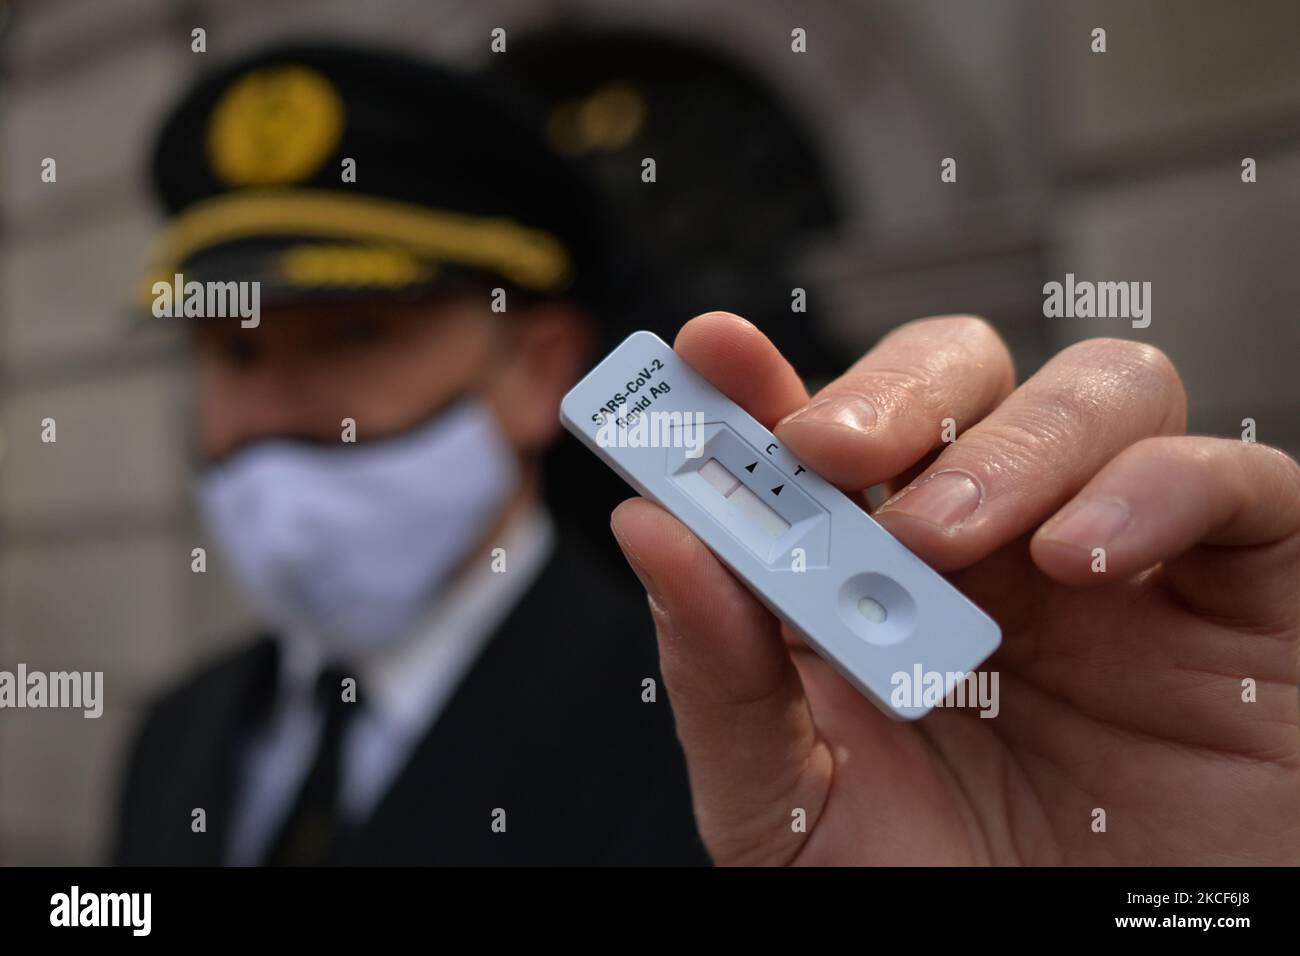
x=274 y=126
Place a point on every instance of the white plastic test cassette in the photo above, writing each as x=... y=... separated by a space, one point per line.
x=863 y=601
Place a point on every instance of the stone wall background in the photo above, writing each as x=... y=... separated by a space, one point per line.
x=1124 y=165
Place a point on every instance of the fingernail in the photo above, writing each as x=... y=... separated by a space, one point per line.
x=946 y=499
x=660 y=615
x=1090 y=523
x=847 y=411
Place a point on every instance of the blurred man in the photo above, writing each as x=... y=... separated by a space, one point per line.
x=449 y=676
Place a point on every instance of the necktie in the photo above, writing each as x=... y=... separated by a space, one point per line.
x=311 y=831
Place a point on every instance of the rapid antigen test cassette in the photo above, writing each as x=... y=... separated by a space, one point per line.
x=855 y=594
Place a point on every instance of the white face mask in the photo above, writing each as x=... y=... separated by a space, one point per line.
x=350 y=544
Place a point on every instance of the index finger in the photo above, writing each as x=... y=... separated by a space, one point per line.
x=742 y=363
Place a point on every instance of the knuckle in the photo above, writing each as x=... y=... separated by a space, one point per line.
x=912 y=388
x=1135 y=371
x=1176 y=449
x=1205 y=451
x=1064 y=412
x=977 y=335
x=1153 y=365
x=1013 y=445
x=977 y=328
x=967 y=324
x=939 y=360
x=963 y=328
x=907 y=378
x=1286 y=467
x=971 y=343
x=1135 y=359
x=983 y=343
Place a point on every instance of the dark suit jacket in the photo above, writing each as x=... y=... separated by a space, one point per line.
x=548 y=724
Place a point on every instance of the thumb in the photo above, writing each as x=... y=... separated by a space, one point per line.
x=752 y=749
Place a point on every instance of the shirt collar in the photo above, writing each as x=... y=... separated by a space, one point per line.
x=407 y=683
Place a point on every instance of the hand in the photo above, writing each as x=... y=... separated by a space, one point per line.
x=1120 y=691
